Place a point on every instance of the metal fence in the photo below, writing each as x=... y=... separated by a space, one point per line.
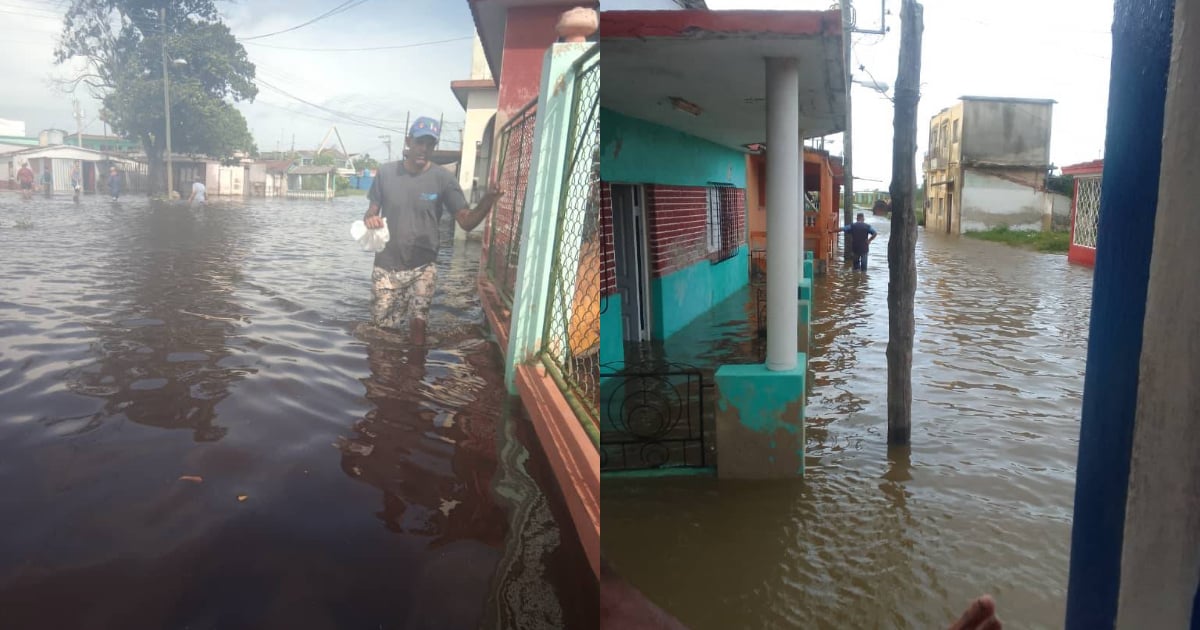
x=504 y=240
x=656 y=418
x=571 y=341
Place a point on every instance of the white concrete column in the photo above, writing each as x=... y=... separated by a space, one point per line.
x=783 y=211
x=1160 y=557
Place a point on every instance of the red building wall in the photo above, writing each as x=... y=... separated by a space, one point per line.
x=527 y=35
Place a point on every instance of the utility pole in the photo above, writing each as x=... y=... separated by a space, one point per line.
x=847 y=144
x=387 y=141
x=162 y=14
x=78 y=124
x=902 y=245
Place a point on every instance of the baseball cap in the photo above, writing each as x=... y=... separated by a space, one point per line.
x=425 y=126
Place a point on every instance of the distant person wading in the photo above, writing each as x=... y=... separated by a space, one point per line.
x=861 y=234
x=114 y=183
x=412 y=195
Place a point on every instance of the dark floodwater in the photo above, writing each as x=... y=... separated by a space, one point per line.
x=348 y=481
x=891 y=538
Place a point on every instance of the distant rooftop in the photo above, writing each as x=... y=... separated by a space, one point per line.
x=1009 y=99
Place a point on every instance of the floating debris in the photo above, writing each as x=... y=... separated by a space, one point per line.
x=350 y=446
x=192 y=478
x=242 y=498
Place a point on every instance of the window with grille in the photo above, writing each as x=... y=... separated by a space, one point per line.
x=724 y=234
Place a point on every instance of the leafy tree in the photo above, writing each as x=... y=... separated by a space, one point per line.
x=1061 y=184
x=365 y=161
x=325 y=159
x=121 y=44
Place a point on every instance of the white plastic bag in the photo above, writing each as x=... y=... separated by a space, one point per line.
x=370 y=240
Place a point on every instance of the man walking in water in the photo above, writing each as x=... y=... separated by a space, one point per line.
x=861 y=235
x=412 y=195
x=198 y=191
x=25 y=179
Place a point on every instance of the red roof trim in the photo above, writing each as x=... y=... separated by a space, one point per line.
x=1095 y=167
x=681 y=24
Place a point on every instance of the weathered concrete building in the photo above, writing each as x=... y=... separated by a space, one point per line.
x=477 y=95
x=987 y=163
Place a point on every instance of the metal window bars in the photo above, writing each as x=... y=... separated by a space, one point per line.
x=571 y=340
x=724 y=225
x=504 y=241
x=1087 y=211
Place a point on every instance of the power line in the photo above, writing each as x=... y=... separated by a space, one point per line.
x=415 y=45
x=345 y=6
x=369 y=121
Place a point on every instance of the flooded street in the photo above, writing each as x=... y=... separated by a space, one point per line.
x=890 y=538
x=332 y=477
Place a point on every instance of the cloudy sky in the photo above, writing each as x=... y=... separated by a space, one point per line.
x=1057 y=49
x=376 y=87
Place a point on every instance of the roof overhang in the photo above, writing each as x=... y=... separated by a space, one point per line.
x=58 y=151
x=491 y=19
x=463 y=89
x=1095 y=167
x=716 y=60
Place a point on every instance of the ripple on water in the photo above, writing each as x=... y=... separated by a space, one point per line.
x=896 y=538
x=220 y=343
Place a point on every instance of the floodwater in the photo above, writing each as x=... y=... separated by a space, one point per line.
x=891 y=538
x=197 y=430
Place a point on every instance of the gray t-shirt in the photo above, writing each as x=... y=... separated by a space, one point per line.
x=413 y=205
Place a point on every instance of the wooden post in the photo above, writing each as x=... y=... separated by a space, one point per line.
x=847 y=165
x=902 y=267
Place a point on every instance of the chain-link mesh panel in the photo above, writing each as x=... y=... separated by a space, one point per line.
x=1087 y=211
x=504 y=242
x=572 y=338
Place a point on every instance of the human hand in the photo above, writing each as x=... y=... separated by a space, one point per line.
x=494 y=192
x=373 y=222
x=980 y=615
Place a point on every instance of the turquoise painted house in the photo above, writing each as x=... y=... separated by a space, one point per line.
x=674 y=215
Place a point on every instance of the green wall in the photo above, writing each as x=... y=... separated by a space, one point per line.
x=638 y=152
x=612 y=330
x=680 y=297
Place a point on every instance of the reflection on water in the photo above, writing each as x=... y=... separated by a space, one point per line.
x=345 y=479
x=879 y=537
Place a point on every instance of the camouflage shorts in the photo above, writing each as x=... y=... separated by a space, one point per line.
x=398 y=296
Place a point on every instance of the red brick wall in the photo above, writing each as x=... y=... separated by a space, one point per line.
x=677 y=219
x=608 y=260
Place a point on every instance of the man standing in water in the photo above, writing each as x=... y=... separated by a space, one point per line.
x=114 y=183
x=76 y=181
x=47 y=181
x=412 y=195
x=861 y=235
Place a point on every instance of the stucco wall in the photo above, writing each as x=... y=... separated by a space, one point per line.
x=989 y=201
x=636 y=151
x=1006 y=132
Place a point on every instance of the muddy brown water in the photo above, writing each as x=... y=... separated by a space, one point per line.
x=890 y=538
x=346 y=480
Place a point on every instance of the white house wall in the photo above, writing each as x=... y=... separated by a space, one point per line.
x=481 y=106
x=989 y=201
